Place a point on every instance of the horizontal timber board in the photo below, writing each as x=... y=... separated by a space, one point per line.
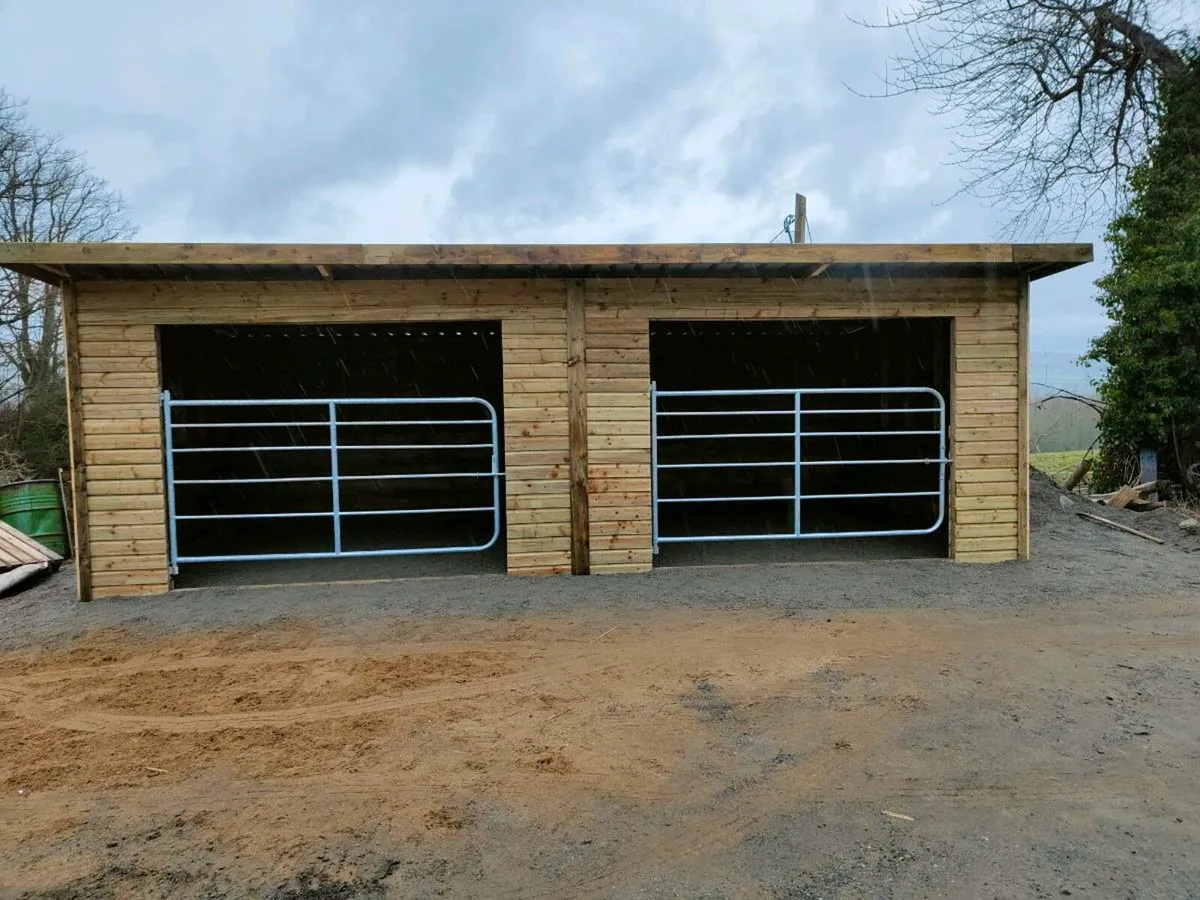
x=556 y=357
x=621 y=568
x=153 y=501
x=516 y=396
x=625 y=514
x=987 y=323
x=536 y=414
x=987 y=556
x=967 y=545
x=1004 y=337
x=558 y=486
x=622 y=398
x=964 y=435
x=123 y=488
x=113 y=517
x=606 y=456
x=529 y=501
x=148 y=585
x=985 y=365
x=1008 y=393
x=598 y=413
x=985 y=351
x=92 y=365
x=516 y=329
x=986 y=379
x=103 y=531
x=987 y=420
x=553 y=341
x=558 y=517
x=518 y=545
x=637 y=369
x=602 y=557
x=556 y=428
x=537 y=560
x=552 y=370
x=618 y=485
x=94 y=424
x=123 y=456
x=630 y=340
x=111 y=333
x=145 y=349
x=105 y=472
x=601 y=355
x=984 y=516
x=156 y=546
x=619 y=471
x=513 y=458
x=618 y=541
x=971 y=407
x=600 y=439
x=143 y=441
x=968 y=531
x=634 y=383
x=109 y=407
x=964 y=503
x=147 y=563
x=599 y=527
x=619 y=499
x=604 y=429
x=986 y=461
x=987 y=489
x=145 y=380
x=965 y=474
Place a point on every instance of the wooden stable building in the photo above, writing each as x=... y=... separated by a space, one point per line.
x=230 y=402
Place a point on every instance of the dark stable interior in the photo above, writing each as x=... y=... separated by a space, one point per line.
x=739 y=355
x=447 y=359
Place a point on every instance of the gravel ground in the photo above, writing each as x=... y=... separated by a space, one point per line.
x=1071 y=558
x=825 y=730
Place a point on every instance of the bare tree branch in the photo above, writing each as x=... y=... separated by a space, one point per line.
x=47 y=193
x=1053 y=101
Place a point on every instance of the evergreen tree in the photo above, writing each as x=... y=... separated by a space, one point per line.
x=1152 y=389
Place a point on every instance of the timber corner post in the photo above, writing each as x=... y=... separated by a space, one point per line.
x=577 y=428
x=1023 y=541
x=79 y=494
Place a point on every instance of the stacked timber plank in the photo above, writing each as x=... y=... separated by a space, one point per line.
x=22 y=558
x=618 y=384
x=18 y=549
x=989 y=498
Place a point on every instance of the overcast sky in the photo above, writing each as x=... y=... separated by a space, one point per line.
x=502 y=120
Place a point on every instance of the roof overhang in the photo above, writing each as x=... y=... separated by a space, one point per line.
x=58 y=262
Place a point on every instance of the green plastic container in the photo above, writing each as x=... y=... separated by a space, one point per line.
x=35 y=509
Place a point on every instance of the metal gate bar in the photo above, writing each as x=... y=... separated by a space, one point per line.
x=799 y=416
x=333 y=447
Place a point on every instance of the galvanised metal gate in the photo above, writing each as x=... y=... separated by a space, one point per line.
x=322 y=429
x=765 y=419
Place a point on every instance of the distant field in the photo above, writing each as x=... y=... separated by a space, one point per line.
x=1057 y=465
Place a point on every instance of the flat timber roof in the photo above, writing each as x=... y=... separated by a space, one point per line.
x=55 y=262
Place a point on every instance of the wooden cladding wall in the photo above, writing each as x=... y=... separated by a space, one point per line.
x=984 y=504
x=122 y=424
x=121 y=427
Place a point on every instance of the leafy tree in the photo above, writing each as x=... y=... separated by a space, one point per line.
x=1152 y=390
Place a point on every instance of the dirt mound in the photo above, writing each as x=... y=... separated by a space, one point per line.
x=1052 y=509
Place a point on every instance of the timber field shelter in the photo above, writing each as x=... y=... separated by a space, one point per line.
x=567 y=409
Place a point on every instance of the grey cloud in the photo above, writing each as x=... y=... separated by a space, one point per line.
x=396 y=84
